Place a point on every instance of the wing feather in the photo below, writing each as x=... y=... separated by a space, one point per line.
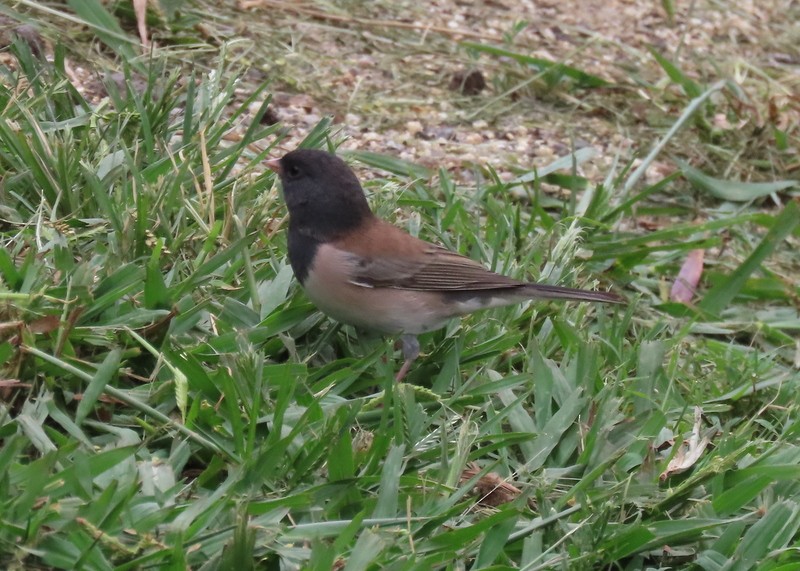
x=437 y=269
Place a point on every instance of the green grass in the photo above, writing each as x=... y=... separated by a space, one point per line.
x=171 y=400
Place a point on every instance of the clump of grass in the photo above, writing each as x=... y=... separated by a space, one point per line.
x=170 y=398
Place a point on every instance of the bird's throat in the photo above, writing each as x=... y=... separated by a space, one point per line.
x=302 y=245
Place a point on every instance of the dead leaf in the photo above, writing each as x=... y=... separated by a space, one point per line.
x=468 y=83
x=302 y=101
x=686 y=283
x=492 y=489
x=140 y=9
x=690 y=451
x=44 y=324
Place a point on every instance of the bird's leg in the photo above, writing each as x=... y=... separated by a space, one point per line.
x=410 y=353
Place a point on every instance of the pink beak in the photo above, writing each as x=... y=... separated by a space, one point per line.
x=274 y=165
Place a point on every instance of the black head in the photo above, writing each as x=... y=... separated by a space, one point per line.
x=322 y=194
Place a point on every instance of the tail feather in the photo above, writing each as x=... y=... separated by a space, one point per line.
x=544 y=291
x=467 y=301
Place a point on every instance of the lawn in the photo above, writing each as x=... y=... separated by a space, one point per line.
x=170 y=399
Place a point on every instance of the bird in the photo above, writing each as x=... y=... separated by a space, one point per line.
x=363 y=271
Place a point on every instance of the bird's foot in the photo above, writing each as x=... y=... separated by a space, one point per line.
x=410 y=346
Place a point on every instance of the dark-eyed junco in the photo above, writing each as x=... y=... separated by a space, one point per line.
x=361 y=270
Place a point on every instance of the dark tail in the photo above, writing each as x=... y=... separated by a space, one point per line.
x=543 y=291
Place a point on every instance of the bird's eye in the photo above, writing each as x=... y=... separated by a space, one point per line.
x=293 y=171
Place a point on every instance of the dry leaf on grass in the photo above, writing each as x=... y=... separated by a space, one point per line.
x=492 y=489
x=686 y=283
x=44 y=324
x=140 y=9
x=690 y=451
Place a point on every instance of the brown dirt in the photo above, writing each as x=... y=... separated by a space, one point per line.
x=385 y=71
x=392 y=74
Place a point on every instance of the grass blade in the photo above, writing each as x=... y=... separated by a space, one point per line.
x=97 y=385
x=723 y=293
